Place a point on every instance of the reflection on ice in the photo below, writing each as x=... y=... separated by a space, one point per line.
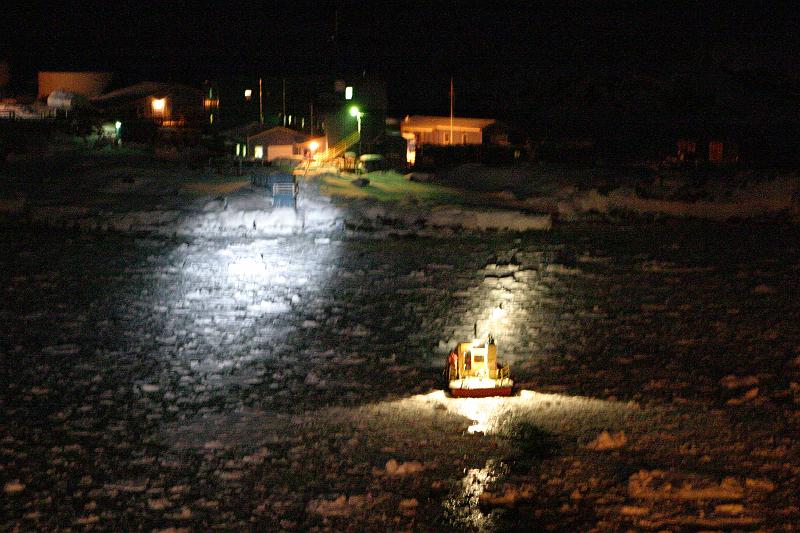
x=483 y=412
x=494 y=415
x=246 y=268
x=261 y=276
x=461 y=506
x=498 y=312
x=524 y=427
x=230 y=302
x=251 y=213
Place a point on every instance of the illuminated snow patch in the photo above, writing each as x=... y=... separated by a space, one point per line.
x=496 y=414
x=247 y=267
x=268 y=307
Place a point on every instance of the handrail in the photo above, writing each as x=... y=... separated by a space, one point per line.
x=279 y=188
x=340 y=147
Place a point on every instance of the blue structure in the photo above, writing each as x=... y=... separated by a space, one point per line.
x=284 y=189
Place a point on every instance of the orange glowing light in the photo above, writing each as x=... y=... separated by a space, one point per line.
x=159 y=104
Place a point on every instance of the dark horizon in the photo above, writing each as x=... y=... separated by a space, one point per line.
x=504 y=60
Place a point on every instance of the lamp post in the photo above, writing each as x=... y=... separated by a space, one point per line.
x=355 y=112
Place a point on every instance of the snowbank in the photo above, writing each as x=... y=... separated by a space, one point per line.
x=250 y=212
x=488 y=220
x=766 y=198
x=450 y=217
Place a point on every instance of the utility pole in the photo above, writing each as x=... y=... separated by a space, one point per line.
x=260 y=101
x=335 y=39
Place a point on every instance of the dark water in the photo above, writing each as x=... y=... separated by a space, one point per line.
x=111 y=344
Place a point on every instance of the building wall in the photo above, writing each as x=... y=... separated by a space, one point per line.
x=181 y=109
x=276 y=151
x=187 y=109
x=441 y=136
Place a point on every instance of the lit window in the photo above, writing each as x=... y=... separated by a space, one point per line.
x=159 y=104
x=446 y=138
x=348 y=93
x=238 y=149
x=258 y=152
x=248 y=93
x=211 y=118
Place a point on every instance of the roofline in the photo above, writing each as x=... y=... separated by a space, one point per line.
x=421 y=129
x=295 y=132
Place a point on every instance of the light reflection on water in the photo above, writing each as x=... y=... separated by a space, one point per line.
x=461 y=505
x=521 y=424
x=227 y=299
x=483 y=412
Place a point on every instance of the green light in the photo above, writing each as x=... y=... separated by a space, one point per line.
x=354 y=111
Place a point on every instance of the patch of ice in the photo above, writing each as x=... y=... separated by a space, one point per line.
x=608 y=441
x=751 y=394
x=395 y=469
x=340 y=507
x=764 y=289
x=734 y=382
x=62 y=349
x=508 y=498
x=759 y=485
x=558 y=268
x=13 y=487
x=660 y=485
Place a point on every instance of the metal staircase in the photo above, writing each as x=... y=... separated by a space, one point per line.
x=341 y=147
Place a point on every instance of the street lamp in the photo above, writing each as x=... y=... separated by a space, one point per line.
x=355 y=112
x=159 y=105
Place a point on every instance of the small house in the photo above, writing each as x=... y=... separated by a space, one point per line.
x=444 y=131
x=280 y=143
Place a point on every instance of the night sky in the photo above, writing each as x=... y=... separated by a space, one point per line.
x=500 y=57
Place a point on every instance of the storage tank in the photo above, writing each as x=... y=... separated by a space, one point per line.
x=88 y=84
